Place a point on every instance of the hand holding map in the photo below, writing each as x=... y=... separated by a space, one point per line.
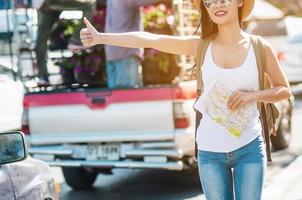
x=214 y=101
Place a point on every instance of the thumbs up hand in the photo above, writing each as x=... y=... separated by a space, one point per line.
x=89 y=34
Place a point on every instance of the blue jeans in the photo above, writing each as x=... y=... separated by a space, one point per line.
x=238 y=174
x=124 y=73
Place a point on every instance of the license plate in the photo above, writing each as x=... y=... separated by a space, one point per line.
x=103 y=152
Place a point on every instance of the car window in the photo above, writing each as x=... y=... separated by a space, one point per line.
x=296 y=39
x=6 y=73
x=271 y=27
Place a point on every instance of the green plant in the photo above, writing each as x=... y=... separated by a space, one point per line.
x=161 y=59
x=155 y=20
x=155 y=17
x=84 y=67
x=62 y=32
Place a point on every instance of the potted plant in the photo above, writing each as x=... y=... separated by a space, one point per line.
x=87 y=66
x=158 y=67
x=90 y=66
x=62 y=33
x=66 y=69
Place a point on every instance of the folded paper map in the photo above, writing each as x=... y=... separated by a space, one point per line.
x=213 y=102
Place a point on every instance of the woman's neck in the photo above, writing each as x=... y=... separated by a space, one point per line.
x=230 y=33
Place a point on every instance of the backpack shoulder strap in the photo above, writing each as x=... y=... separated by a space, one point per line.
x=266 y=84
x=261 y=64
x=201 y=51
x=260 y=59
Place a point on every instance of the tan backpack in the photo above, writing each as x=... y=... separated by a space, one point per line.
x=269 y=113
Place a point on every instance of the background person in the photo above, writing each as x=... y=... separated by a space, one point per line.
x=48 y=14
x=123 y=64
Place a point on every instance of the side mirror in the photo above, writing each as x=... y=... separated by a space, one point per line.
x=12 y=147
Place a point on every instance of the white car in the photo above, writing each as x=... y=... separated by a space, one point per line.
x=285 y=35
x=11 y=98
x=291 y=58
x=293 y=49
x=22 y=177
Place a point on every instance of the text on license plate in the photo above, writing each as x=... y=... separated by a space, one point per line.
x=103 y=152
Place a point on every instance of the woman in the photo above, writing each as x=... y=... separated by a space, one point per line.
x=231 y=61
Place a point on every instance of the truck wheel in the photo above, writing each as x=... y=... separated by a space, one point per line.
x=282 y=140
x=79 y=178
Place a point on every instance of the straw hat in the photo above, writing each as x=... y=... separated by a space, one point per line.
x=246 y=9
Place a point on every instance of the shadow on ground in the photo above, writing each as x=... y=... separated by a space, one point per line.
x=140 y=184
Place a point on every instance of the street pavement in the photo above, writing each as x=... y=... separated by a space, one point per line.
x=283 y=179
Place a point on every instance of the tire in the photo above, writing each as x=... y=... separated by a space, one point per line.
x=79 y=178
x=282 y=140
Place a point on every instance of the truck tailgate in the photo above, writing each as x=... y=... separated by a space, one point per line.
x=140 y=111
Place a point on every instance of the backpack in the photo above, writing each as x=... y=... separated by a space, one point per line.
x=269 y=113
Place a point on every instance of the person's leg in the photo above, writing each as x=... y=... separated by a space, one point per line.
x=128 y=73
x=250 y=170
x=134 y=72
x=46 y=20
x=61 y=5
x=110 y=71
x=215 y=175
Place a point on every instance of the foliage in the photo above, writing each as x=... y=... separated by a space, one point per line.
x=85 y=66
x=155 y=19
x=62 y=32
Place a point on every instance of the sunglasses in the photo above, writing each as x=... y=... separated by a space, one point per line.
x=213 y=3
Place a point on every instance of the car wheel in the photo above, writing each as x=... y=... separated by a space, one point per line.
x=79 y=178
x=282 y=140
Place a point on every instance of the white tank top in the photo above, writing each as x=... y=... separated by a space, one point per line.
x=210 y=135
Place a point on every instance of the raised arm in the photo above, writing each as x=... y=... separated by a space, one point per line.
x=179 y=45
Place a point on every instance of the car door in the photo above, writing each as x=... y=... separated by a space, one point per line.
x=6 y=187
x=11 y=97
